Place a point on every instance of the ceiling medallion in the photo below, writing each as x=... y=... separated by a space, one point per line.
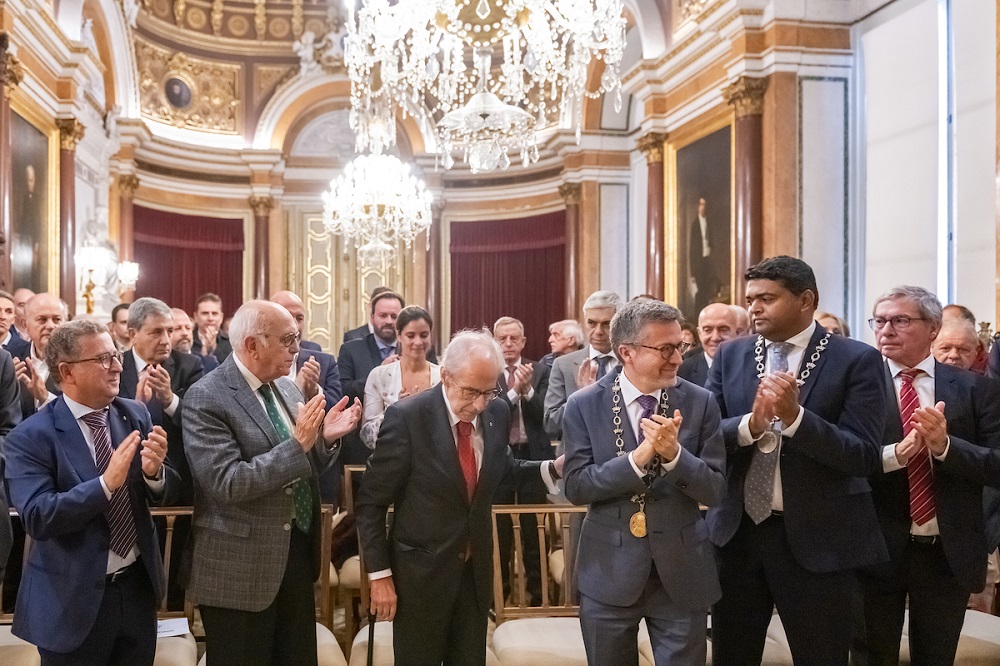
x=530 y=61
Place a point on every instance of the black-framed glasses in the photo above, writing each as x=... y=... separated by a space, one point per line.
x=899 y=322
x=106 y=359
x=667 y=350
x=289 y=339
x=472 y=394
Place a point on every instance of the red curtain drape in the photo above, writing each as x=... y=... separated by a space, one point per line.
x=183 y=256
x=510 y=267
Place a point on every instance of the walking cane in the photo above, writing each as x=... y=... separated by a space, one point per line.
x=371 y=638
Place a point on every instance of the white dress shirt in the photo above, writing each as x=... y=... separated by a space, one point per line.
x=255 y=385
x=140 y=367
x=633 y=409
x=115 y=561
x=593 y=355
x=923 y=384
x=708 y=359
x=6 y=340
x=41 y=369
x=706 y=250
x=799 y=344
x=516 y=398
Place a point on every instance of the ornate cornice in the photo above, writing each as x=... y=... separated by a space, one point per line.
x=127 y=185
x=746 y=96
x=70 y=132
x=571 y=193
x=11 y=69
x=261 y=205
x=651 y=146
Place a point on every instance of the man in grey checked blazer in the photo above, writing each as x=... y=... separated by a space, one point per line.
x=256 y=553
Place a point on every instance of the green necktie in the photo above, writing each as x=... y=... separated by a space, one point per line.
x=301 y=493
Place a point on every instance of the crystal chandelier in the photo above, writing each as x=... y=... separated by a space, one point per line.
x=377 y=204
x=531 y=57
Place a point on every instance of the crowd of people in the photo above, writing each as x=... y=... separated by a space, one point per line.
x=844 y=483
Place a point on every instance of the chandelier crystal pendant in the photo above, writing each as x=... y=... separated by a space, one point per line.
x=376 y=204
x=412 y=56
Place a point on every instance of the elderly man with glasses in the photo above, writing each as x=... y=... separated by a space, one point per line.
x=439 y=459
x=82 y=473
x=255 y=452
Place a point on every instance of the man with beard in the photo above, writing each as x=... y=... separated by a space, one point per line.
x=182 y=337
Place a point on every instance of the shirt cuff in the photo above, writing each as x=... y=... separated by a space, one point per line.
x=512 y=395
x=789 y=430
x=48 y=398
x=889 y=461
x=669 y=466
x=530 y=394
x=377 y=575
x=547 y=479
x=743 y=437
x=172 y=407
x=641 y=473
x=104 y=486
x=155 y=485
x=944 y=454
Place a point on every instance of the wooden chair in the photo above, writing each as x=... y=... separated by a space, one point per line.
x=348 y=591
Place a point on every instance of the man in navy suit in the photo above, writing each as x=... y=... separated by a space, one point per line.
x=930 y=510
x=10 y=416
x=7 y=315
x=43 y=313
x=716 y=324
x=644 y=550
x=802 y=416
x=361 y=332
x=182 y=337
x=81 y=474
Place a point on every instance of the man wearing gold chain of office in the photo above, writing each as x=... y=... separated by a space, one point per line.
x=643 y=449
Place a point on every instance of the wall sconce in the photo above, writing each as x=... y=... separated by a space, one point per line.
x=94 y=262
x=128 y=275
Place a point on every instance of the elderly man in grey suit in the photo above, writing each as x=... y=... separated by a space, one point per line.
x=643 y=449
x=574 y=371
x=255 y=452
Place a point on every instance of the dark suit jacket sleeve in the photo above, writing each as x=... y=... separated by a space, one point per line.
x=353 y=386
x=700 y=472
x=10 y=407
x=188 y=369
x=978 y=462
x=384 y=480
x=331 y=384
x=555 y=401
x=45 y=512
x=994 y=361
x=730 y=422
x=586 y=480
x=168 y=493
x=853 y=445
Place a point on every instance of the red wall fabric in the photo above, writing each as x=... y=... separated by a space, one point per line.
x=183 y=256
x=510 y=267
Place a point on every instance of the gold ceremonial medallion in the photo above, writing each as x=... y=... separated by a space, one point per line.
x=637 y=524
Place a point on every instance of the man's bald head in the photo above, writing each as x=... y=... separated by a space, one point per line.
x=265 y=339
x=42 y=313
x=716 y=324
x=742 y=320
x=291 y=302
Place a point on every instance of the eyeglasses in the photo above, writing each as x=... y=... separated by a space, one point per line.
x=472 y=394
x=899 y=322
x=667 y=351
x=289 y=339
x=106 y=360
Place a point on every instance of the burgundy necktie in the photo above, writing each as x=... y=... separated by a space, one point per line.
x=119 y=513
x=467 y=457
x=515 y=411
x=919 y=471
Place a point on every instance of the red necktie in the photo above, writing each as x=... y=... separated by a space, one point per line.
x=467 y=457
x=919 y=471
x=515 y=412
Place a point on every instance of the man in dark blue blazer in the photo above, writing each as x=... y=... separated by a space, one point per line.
x=81 y=474
x=929 y=504
x=643 y=450
x=716 y=324
x=10 y=416
x=802 y=416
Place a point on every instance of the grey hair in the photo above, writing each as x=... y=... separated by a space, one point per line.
x=470 y=342
x=742 y=318
x=144 y=308
x=603 y=299
x=927 y=303
x=569 y=327
x=250 y=321
x=64 y=344
x=507 y=321
x=628 y=322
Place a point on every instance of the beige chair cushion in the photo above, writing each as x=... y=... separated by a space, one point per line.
x=334 y=576
x=382 y=655
x=328 y=650
x=557 y=565
x=175 y=651
x=16 y=652
x=350 y=574
x=553 y=641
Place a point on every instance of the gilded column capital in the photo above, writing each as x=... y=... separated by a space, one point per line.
x=571 y=193
x=746 y=95
x=11 y=73
x=261 y=205
x=127 y=185
x=70 y=132
x=651 y=146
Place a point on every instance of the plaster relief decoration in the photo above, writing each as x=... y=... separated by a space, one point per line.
x=320 y=55
x=186 y=92
x=327 y=136
x=692 y=8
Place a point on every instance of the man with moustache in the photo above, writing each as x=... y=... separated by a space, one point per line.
x=644 y=549
x=182 y=338
x=802 y=414
x=439 y=460
x=716 y=324
x=255 y=448
x=82 y=473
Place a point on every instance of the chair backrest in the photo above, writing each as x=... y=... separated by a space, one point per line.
x=352 y=481
x=554 y=520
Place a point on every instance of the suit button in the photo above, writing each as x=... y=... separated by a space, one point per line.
x=288 y=491
x=286 y=526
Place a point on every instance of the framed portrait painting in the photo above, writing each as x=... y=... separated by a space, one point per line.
x=700 y=217
x=32 y=206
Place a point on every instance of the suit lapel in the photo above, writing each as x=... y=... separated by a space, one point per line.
x=129 y=377
x=288 y=398
x=607 y=405
x=443 y=440
x=750 y=378
x=807 y=362
x=944 y=390
x=492 y=444
x=73 y=444
x=373 y=352
x=247 y=399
